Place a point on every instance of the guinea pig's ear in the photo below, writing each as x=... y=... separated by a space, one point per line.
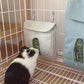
x=24 y=47
x=32 y=52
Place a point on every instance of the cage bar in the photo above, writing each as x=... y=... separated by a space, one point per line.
x=21 y=21
x=16 y=25
x=4 y=31
x=25 y=9
x=10 y=25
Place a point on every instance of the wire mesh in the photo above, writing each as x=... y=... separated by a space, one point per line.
x=48 y=72
x=11 y=32
x=11 y=28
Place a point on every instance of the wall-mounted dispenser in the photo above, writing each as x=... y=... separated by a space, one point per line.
x=43 y=36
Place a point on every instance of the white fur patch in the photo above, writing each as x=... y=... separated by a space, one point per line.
x=29 y=63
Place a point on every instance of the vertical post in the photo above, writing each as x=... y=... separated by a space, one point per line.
x=23 y=12
x=23 y=18
x=0 y=36
x=16 y=25
x=4 y=31
x=28 y=7
x=21 y=21
x=10 y=27
x=24 y=6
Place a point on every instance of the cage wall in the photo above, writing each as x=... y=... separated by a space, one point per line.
x=12 y=17
x=13 y=13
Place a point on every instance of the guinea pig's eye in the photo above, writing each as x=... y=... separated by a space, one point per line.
x=28 y=50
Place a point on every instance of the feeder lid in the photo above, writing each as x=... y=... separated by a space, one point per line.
x=38 y=26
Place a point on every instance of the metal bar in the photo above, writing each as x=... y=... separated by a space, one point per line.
x=58 y=66
x=4 y=33
x=21 y=20
x=10 y=26
x=45 y=74
x=12 y=34
x=39 y=81
x=11 y=11
x=60 y=76
x=45 y=10
x=16 y=26
x=25 y=9
x=42 y=74
x=63 y=67
x=9 y=58
x=46 y=77
x=52 y=80
x=68 y=77
x=0 y=53
x=82 y=79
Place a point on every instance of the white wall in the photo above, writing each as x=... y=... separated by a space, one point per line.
x=43 y=9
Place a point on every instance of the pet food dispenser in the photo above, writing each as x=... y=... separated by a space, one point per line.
x=45 y=35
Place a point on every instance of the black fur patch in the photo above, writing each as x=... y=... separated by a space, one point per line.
x=20 y=56
x=32 y=52
x=17 y=74
x=21 y=50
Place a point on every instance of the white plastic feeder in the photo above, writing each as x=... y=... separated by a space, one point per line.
x=45 y=32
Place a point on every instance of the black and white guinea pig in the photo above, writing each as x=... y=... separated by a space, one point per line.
x=22 y=68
